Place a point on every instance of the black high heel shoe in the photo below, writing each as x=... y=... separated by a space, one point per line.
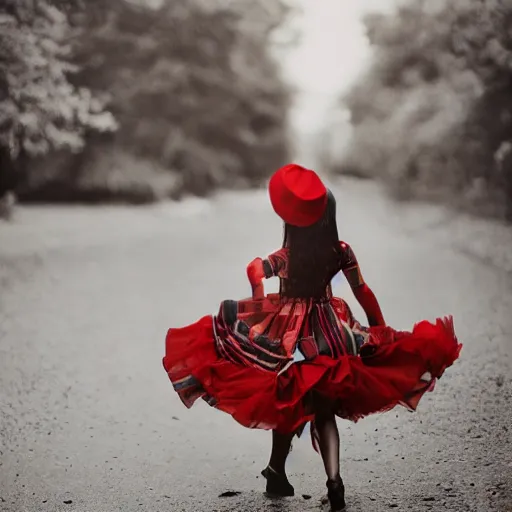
x=336 y=494
x=277 y=483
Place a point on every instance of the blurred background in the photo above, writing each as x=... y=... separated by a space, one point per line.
x=136 y=140
x=136 y=102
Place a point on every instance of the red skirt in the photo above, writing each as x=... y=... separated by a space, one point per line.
x=393 y=368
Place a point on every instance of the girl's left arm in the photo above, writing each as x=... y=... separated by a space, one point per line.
x=362 y=292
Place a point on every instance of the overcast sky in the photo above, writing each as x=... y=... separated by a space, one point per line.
x=332 y=52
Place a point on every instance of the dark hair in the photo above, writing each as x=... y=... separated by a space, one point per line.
x=314 y=255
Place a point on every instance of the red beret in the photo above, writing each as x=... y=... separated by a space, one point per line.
x=297 y=195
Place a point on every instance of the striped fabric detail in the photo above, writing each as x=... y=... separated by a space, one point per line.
x=233 y=343
x=320 y=332
x=189 y=389
x=333 y=336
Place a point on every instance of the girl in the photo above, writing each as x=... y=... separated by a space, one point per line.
x=279 y=361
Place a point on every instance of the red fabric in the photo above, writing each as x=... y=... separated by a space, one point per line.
x=369 y=303
x=362 y=292
x=297 y=195
x=388 y=373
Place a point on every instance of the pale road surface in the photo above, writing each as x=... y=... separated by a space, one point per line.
x=90 y=423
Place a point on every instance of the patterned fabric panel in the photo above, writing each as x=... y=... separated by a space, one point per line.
x=189 y=390
x=265 y=332
x=278 y=262
x=327 y=334
x=234 y=342
x=254 y=334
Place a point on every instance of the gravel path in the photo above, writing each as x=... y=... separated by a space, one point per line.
x=90 y=423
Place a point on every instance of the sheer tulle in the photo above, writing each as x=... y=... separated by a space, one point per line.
x=394 y=368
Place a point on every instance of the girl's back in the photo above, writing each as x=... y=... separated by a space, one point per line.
x=314 y=256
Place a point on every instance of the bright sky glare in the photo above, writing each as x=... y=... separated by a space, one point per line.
x=332 y=53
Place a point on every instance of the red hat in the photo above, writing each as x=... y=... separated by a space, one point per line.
x=297 y=195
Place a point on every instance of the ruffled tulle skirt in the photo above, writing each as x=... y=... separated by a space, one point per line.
x=393 y=368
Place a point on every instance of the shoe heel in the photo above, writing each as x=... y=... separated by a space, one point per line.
x=336 y=495
x=277 y=484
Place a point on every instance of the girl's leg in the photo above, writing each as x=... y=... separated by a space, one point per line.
x=281 y=446
x=329 y=445
x=275 y=472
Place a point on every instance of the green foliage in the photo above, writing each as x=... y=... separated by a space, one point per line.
x=433 y=114
x=39 y=109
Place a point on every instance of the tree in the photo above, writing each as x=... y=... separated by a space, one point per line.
x=193 y=85
x=434 y=108
x=125 y=99
x=39 y=109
